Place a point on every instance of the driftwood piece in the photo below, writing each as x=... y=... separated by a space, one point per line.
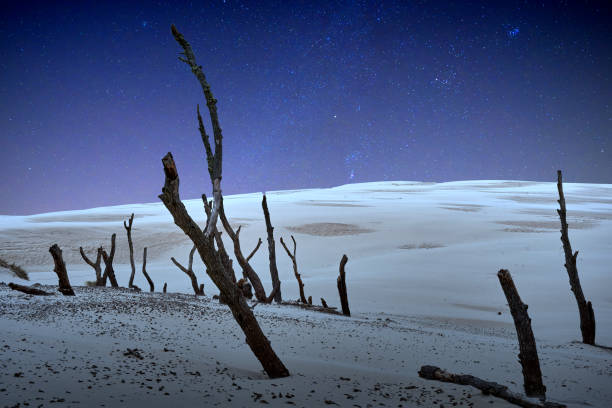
x=16 y=269
x=487 y=387
x=272 y=251
x=324 y=303
x=197 y=289
x=255 y=338
x=28 y=290
x=95 y=265
x=585 y=308
x=109 y=272
x=315 y=308
x=528 y=355
x=60 y=270
x=144 y=270
x=341 y=281
x=128 y=229
x=295 y=268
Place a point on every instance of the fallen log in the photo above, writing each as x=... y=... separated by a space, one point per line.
x=28 y=290
x=487 y=387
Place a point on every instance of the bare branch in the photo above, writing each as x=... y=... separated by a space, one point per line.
x=295 y=268
x=254 y=250
x=144 y=270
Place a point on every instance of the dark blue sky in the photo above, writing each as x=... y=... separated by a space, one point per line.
x=311 y=94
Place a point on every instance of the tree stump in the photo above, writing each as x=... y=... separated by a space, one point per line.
x=528 y=355
x=60 y=270
x=342 y=287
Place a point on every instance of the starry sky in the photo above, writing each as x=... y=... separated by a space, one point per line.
x=311 y=94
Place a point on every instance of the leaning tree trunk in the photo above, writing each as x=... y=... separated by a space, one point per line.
x=272 y=251
x=204 y=240
x=144 y=270
x=108 y=264
x=528 y=354
x=342 y=287
x=587 y=316
x=95 y=265
x=128 y=229
x=198 y=290
x=60 y=270
x=298 y=277
x=28 y=290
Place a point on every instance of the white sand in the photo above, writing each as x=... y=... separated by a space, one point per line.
x=422 y=255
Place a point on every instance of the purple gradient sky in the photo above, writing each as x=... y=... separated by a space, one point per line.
x=92 y=95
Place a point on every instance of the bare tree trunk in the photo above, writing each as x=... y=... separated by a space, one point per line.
x=28 y=290
x=189 y=271
x=487 y=387
x=144 y=270
x=108 y=262
x=295 y=268
x=225 y=259
x=203 y=240
x=528 y=354
x=166 y=287
x=247 y=270
x=324 y=303
x=272 y=251
x=587 y=316
x=310 y=300
x=128 y=229
x=342 y=287
x=96 y=265
x=60 y=270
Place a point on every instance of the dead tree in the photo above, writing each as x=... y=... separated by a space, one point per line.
x=295 y=268
x=109 y=272
x=528 y=355
x=247 y=269
x=585 y=308
x=96 y=265
x=271 y=251
x=198 y=290
x=60 y=270
x=166 y=287
x=310 y=300
x=487 y=387
x=28 y=290
x=128 y=229
x=324 y=303
x=144 y=270
x=342 y=287
x=204 y=240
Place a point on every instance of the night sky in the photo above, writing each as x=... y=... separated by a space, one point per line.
x=311 y=94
